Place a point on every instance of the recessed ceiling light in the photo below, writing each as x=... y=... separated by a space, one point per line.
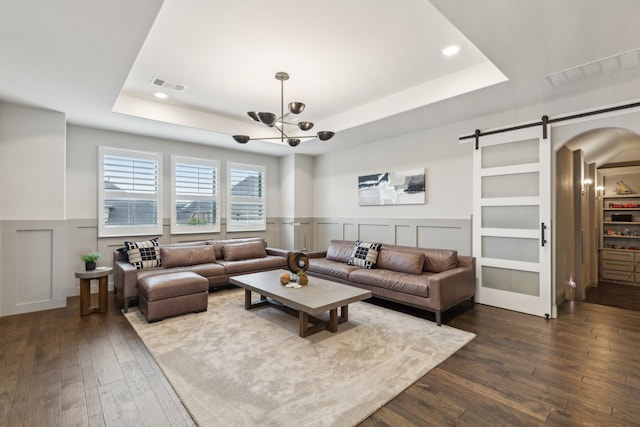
x=160 y=95
x=451 y=50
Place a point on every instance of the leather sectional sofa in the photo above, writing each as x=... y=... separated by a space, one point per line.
x=430 y=279
x=215 y=260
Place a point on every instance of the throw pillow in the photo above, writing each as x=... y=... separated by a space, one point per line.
x=144 y=254
x=364 y=254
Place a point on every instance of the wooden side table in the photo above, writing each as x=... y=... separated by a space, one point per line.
x=85 y=290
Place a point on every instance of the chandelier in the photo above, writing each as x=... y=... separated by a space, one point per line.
x=271 y=120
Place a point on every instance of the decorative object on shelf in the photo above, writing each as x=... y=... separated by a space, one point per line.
x=271 y=120
x=303 y=279
x=622 y=188
x=285 y=278
x=298 y=262
x=90 y=260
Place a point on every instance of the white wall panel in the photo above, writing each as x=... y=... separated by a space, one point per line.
x=445 y=237
x=325 y=232
x=34 y=248
x=405 y=235
x=35 y=274
x=427 y=233
x=383 y=233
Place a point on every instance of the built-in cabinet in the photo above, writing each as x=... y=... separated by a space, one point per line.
x=618 y=191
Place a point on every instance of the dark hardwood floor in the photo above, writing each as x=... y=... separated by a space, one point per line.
x=614 y=295
x=583 y=368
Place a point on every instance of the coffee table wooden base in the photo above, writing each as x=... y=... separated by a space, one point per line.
x=304 y=318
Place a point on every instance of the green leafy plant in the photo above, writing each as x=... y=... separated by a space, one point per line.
x=301 y=273
x=90 y=257
x=198 y=221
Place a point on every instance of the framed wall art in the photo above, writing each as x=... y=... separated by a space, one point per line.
x=407 y=187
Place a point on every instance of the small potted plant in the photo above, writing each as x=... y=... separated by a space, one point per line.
x=90 y=260
x=303 y=279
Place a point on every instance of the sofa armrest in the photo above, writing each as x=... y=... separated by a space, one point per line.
x=278 y=252
x=125 y=279
x=450 y=287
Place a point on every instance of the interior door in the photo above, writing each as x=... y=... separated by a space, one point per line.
x=511 y=221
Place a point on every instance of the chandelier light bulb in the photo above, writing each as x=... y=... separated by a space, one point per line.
x=296 y=107
x=305 y=125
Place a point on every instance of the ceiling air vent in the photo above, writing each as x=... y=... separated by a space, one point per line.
x=168 y=84
x=592 y=70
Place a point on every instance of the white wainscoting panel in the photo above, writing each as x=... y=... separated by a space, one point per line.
x=406 y=235
x=445 y=237
x=325 y=232
x=34 y=265
x=371 y=232
x=350 y=231
x=427 y=233
x=34 y=250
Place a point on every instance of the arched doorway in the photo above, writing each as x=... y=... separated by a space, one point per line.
x=581 y=150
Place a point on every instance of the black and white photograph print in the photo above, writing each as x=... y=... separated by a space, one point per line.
x=405 y=187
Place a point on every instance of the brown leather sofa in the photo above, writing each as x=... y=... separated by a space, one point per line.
x=430 y=279
x=215 y=260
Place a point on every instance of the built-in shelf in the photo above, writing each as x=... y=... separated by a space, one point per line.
x=620 y=263
x=621 y=222
x=622 y=196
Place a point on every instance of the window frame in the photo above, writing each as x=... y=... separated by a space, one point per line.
x=194 y=229
x=136 y=230
x=231 y=199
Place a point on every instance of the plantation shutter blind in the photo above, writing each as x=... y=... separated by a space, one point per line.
x=247 y=200
x=195 y=195
x=130 y=193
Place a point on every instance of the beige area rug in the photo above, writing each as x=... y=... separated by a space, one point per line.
x=233 y=367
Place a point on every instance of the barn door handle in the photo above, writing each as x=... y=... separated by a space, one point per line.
x=542 y=228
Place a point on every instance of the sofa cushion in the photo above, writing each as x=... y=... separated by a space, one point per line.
x=240 y=251
x=411 y=284
x=186 y=255
x=339 y=251
x=252 y=265
x=364 y=254
x=439 y=260
x=339 y=270
x=401 y=261
x=144 y=254
x=218 y=244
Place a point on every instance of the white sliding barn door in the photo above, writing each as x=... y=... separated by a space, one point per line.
x=511 y=221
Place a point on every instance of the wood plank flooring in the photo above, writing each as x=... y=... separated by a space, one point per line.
x=60 y=369
x=612 y=294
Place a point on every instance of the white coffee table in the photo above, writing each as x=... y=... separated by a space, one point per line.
x=306 y=302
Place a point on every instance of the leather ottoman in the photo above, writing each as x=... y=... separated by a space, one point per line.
x=171 y=294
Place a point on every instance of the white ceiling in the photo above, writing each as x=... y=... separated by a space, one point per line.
x=367 y=69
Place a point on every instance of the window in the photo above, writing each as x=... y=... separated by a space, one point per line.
x=130 y=194
x=194 y=195
x=246 y=207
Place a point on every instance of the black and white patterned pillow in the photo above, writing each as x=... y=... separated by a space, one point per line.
x=144 y=254
x=364 y=254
